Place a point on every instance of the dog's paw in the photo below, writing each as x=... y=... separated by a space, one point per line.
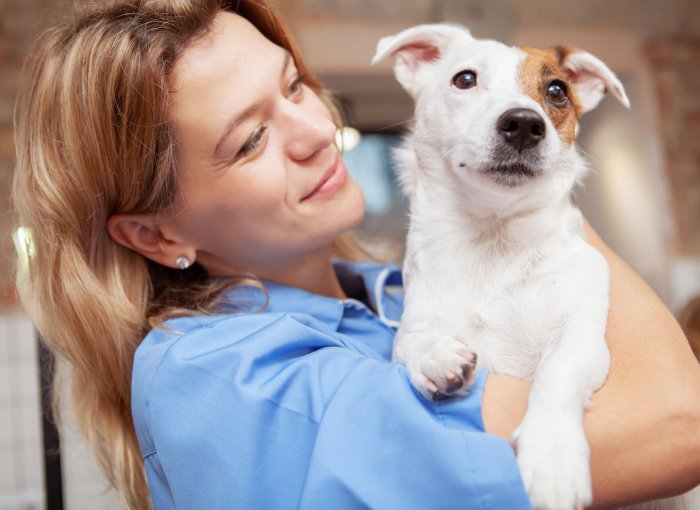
x=440 y=366
x=553 y=457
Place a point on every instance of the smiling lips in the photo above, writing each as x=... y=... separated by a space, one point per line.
x=331 y=181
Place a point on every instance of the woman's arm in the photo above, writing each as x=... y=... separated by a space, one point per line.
x=269 y=410
x=644 y=423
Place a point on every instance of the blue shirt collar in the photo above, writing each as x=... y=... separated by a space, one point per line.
x=382 y=285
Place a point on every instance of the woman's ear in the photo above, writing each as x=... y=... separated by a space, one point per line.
x=142 y=234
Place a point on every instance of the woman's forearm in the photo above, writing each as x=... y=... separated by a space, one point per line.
x=644 y=424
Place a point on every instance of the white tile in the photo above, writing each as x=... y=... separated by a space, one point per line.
x=32 y=500
x=26 y=424
x=3 y=338
x=24 y=379
x=24 y=329
x=28 y=356
x=27 y=352
x=7 y=468
x=21 y=338
x=34 y=475
x=11 y=335
x=5 y=387
x=6 y=433
x=29 y=469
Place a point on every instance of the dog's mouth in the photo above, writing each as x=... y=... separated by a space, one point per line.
x=513 y=174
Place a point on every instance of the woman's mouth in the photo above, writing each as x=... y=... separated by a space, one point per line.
x=332 y=180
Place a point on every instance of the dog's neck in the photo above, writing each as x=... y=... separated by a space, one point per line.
x=444 y=211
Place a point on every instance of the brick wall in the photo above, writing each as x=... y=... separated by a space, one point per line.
x=20 y=21
x=676 y=64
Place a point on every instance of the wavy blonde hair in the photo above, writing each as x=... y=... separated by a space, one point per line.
x=93 y=140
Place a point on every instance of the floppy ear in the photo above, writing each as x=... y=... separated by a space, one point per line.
x=414 y=47
x=590 y=77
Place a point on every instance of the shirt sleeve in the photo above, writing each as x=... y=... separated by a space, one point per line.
x=381 y=445
x=276 y=414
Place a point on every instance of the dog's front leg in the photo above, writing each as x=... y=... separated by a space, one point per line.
x=439 y=360
x=553 y=453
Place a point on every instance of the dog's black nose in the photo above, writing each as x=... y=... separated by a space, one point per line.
x=521 y=127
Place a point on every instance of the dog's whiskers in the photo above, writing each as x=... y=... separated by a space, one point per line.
x=590 y=157
x=391 y=126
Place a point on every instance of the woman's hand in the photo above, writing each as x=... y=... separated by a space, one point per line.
x=643 y=425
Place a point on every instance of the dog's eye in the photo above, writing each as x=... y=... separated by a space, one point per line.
x=464 y=80
x=557 y=93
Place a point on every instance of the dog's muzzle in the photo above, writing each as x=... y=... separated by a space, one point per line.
x=515 y=160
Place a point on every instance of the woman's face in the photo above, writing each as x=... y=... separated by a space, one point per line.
x=261 y=182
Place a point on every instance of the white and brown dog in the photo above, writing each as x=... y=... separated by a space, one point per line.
x=497 y=267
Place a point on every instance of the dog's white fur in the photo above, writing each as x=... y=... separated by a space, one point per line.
x=497 y=265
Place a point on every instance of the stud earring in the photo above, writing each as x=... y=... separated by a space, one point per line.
x=183 y=262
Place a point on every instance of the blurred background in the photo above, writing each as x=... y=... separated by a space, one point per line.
x=643 y=195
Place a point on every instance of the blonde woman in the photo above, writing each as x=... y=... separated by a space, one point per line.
x=178 y=173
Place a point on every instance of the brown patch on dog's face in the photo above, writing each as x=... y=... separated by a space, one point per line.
x=543 y=79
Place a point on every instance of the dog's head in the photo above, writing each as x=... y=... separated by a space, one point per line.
x=500 y=119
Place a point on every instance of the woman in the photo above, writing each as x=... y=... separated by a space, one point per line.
x=176 y=167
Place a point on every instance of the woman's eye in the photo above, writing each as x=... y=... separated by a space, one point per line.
x=464 y=80
x=557 y=93
x=297 y=85
x=252 y=144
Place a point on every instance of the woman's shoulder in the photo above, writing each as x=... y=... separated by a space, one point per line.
x=246 y=335
x=259 y=344
x=242 y=361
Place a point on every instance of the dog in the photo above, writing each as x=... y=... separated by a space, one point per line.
x=497 y=271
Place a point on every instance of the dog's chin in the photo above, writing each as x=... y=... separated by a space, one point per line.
x=511 y=175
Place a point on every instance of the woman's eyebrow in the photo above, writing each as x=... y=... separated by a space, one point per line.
x=238 y=119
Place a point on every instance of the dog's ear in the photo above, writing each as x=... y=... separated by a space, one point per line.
x=590 y=77
x=414 y=47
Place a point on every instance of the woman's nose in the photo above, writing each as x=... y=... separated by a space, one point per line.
x=307 y=131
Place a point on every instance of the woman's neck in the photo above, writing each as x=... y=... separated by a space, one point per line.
x=314 y=272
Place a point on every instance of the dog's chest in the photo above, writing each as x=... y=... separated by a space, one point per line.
x=511 y=311
x=510 y=325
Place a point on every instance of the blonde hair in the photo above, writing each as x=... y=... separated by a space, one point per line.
x=92 y=140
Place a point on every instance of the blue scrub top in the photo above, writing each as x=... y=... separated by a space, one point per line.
x=300 y=406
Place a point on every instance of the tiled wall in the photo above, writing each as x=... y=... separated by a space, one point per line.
x=21 y=454
x=21 y=472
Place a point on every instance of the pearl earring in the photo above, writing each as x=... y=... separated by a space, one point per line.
x=183 y=262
